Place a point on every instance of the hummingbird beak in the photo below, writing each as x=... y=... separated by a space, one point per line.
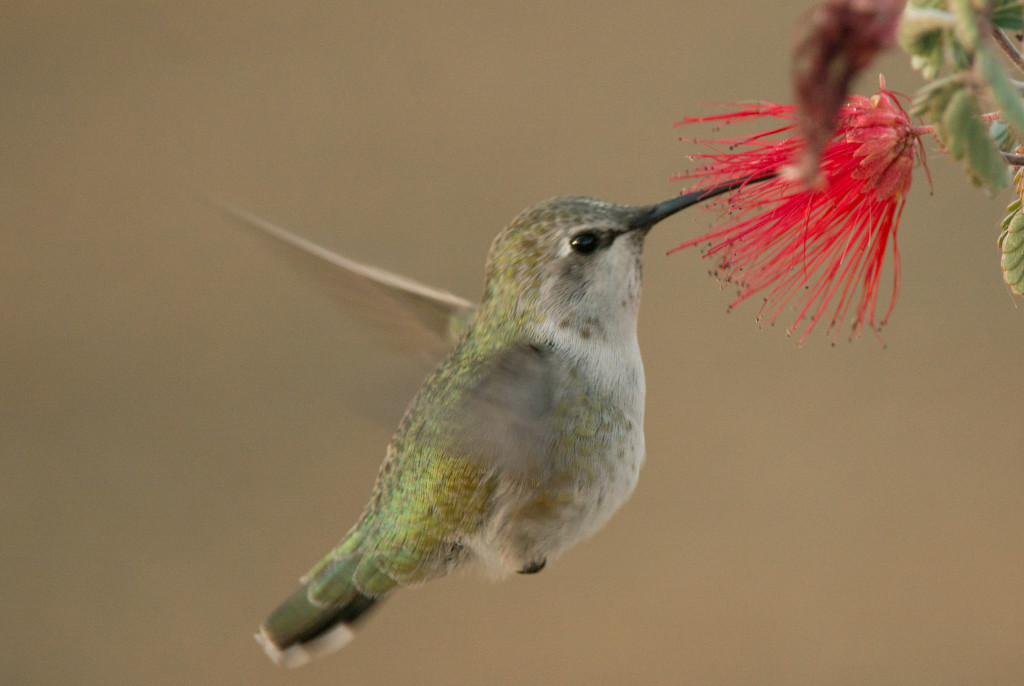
x=652 y=214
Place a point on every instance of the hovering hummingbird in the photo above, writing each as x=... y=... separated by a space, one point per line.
x=525 y=438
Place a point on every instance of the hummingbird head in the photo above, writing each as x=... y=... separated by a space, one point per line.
x=574 y=262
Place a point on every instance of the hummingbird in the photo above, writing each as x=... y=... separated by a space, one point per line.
x=526 y=437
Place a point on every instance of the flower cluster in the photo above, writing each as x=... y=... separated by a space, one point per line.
x=811 y=245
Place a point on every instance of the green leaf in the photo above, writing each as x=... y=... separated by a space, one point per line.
x=1003 y=92
x=932 y=36
x=919 y=24
x=966 y=23
x=1002 y=135
x=933 y=99
x=1008 y=15
x=1011 y=245
x=969 y=140
x=1011 y=241
x=1013 y=211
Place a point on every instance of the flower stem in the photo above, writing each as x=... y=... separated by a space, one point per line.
x=927 y=129
x=1013 y=160
x=1007 y=46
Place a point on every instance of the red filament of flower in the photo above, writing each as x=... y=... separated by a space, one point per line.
x=781 y=238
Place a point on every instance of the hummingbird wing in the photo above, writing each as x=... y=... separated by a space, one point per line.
x=509 y=410
x=421 y=316
x=411 y=327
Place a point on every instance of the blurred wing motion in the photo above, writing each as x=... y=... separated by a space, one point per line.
x=409 y=327
x=413 y=314
x=508 y=413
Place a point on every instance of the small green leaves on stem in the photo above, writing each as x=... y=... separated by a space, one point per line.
x=955 y=43
x=1011 y=242
x=928 y=32
x=967 y=139
x=1001 y=90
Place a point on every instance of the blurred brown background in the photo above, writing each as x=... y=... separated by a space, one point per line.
x=177 y=447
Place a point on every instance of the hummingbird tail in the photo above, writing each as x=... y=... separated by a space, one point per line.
x=301 y=629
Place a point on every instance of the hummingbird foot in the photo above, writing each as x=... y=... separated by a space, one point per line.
x=534 y=566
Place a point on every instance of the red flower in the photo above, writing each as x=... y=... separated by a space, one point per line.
x=819 y=245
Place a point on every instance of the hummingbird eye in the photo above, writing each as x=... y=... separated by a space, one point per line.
x=585 y=243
